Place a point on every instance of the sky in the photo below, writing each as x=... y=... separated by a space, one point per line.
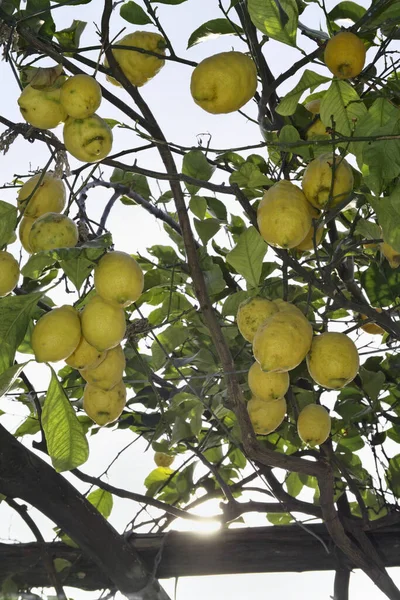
x=184 y=123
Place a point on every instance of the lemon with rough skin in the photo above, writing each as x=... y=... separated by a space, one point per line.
x=80 y=96
x=317 y=181
x=9 y=273
x=53 y=230
x=88 y=140
x=345 y=55
x=42 y=107
x=103 y=324
x=314 y=232
x=46 y=193
x=391 y=255
x=266 y=416
x=24 y=232
x=104 y=406
x=283 y=341
x=118 y=278
x=267 y=386
x=56 y=334
x=223 y=83
x=283 y=215
x=333 y=360
x=163 y=460
x=85 y=356
x=372 y=328
x=317 y=129
x=283 y=305
x=252 y=313
x=314 y=425
x=139 y=67
x=109 y=372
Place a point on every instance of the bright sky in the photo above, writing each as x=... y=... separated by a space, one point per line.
x=132 y=228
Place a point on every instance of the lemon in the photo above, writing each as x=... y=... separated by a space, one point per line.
x=53 y=230
x=47 y=196
x=283 y=341
x=283 y=215
x=252 y=313
x=118 y=278
x=109 y=372
x=88 y=140
x=163 y=460
x=372 y=328
x=9 y=273
x=104 y=406
x=224 y=82
x=317 y=181
x=80 y=96
x=283 y=305
x=24 y=232
x=345 y=55
x=316 y=129
x=391 y=255
x=42 y=108
x=85 y=356
x=308 y=242
x=333 y=360
x=314 y=425
x=266 y=416
x=103 y=325
x=139 y=67
x=267 y=386
x=56 y=334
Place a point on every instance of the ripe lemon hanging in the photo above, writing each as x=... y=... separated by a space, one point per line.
x=267 y=386
x=118 y=278
x=48 y=195
x=266 y=416
x=314 y=425
x=103 y=324
x=333 y=360
x=80 y=96
x=109 y=372
x=317 y=181
x=104 y=406
x=56 y=334
x=252 y=313
x=9 y=273
x=345 y=55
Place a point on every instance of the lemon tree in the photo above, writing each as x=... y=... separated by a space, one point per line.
x=199 y=267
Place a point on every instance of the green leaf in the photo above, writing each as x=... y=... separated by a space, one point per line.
x=393 y=475
x=61 y=563
x=70 y=37
x=342 y=102
x=198 y=206
x=276 y=18
x=206 y=229
x=156 y=479
x=247 y=256
x=170 y=339
x=388 y=213
x=66 y=442
x=280 y=518
x=15 y=315
x=8 y=222
x=213 y=29
x=368 y=229
x=136 y=181
x=232 y=302
x=133 y=13
x=168 y=1
x=196 y=165
x=249 y=175
x=8 y=377
x=36 y=264
x=372 y=382
x=294 y=485
x=103 y=501
x=289 y=135
x=381 y=283
x=309 y=80
x=346 y=10
x=214 y=279
x=78 y=269
x=30 y=426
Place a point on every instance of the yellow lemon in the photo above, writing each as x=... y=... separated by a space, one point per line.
x=333 y=360
x=283 y=305
x=308 y=242
x=372 y=328
x=139 y=67
x=42 y=107
x=56 y=334
x=85 y=356
x=252 y=313
x=267 y=386
x=104 y=406
x=24 y=232
x=283 y=215
x=282 y=342
x=103 y=324
x=391 y=255
x=314 y=425
x=53 y=230
x=109 y=372
x=118 y=278
x=345 y=55
x=46 y=196
x=224 y=82
x=88 y=140
x=317 y=128
x=80 y=96
x=9 y=273
x=317 y=181
x=163 y=460
x=266 y=416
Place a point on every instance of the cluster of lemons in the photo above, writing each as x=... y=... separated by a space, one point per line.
x=282 y=338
